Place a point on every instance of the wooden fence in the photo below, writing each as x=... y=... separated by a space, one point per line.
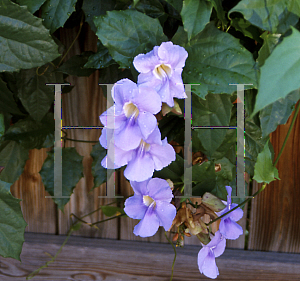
x=273 y=217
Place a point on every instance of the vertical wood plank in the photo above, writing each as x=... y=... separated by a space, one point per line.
x=39 y=212
x=274 y=224
x=82 y=107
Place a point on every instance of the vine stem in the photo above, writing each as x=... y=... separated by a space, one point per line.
x=275 y=162
x=175 y=254
x=64 y=138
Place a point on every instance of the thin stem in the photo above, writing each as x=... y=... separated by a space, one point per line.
x=80 y=27
x=288 y=133
x=40 y=74
x=239 y=205
x=32 y=274
x=85 y=222
x=64 y=138
x=175 y=254
x=111 y=218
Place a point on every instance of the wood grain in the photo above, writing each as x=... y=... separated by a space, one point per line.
x=274 y=224
x=110 y=260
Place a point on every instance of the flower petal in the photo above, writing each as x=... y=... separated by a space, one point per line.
x=134 y=207
x=139 y=168
x=121 y=157
x=149 y=225
x=147 y=99
x=113 y=118
x=129 y=137
x=123 y=91
x=202 y=256
x=103 y=138
x=147 y=123
x=237 y=214
x=140 y=188
x=162 y=155
x=172 y=54
x=146 y=62
x=220 y=248
x=154 y=137
x=209 y=267
x=159 y=189
x=166 y=214
x=230 y=229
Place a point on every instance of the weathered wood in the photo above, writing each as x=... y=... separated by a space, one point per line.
x=110 y=260
x=274 y=224
x=82 y=107
x=39 y=212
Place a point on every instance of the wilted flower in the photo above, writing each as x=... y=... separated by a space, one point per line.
x=208 y=253
x=132 y=113
x=150 y=204
x=228 y=226
x=161 y=69
x=151 y=154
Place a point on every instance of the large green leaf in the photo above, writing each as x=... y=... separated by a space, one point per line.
x=7 y=102
x=246 y=28
x=56 y=12
x=277 y=113
x=75 y=65
x=177 y=4
x=152 y=8
x=12 y=226
x=13 y=157
x=215 y=60
x=195 y=15
x=270 y=41
x=2 y=125
x=72 y=172
x=101 y=59
x=264 y=171
x=32 y=5
x=99 y=173
x=127 y=34
x=280 y=74
x=31 y=134
x=24 y=41
x=275 y=16
x=217 y=4
x=94 y=8
x=33 y=92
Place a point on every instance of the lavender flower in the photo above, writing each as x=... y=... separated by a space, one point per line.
x=161 y=69
x=132 y=112
x=151 y=154
x=151 y=205
x=208 y=253
x=228 y=226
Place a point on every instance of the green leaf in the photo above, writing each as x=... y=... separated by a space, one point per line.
x=227 y=172
x=270 y=41
x=246 y=28
x=33 y=92
x=254 y=144
x=217 y=4
x=275 y=16
x=212 y=202
x=2 y=125
x=13 y=158
x=152 y=8
x=32 y=5
x=280 y=74
x=203 y=66
x=111 y=211
x=99 y=173
x=180 y=37
x=94 y=8
x=24 y=41
x=75 y=65
x=56 y=12
x=101 y=59
x=72 y=172
x=12 y=226
x=177 y=4
x=7 y=102
x=128 y=33
x=173 y=172
x=195 y=15
x=277 y=113
x=31 y=134
x=205 y=177
x=264 y=171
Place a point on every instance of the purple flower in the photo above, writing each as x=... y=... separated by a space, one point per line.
x=161 y=69
x=208 y=253
x=151 y=154
x=228 y=226
x=151 y=205
x=132 y=113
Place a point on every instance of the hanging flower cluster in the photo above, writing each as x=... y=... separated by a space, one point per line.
x=137 y=143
